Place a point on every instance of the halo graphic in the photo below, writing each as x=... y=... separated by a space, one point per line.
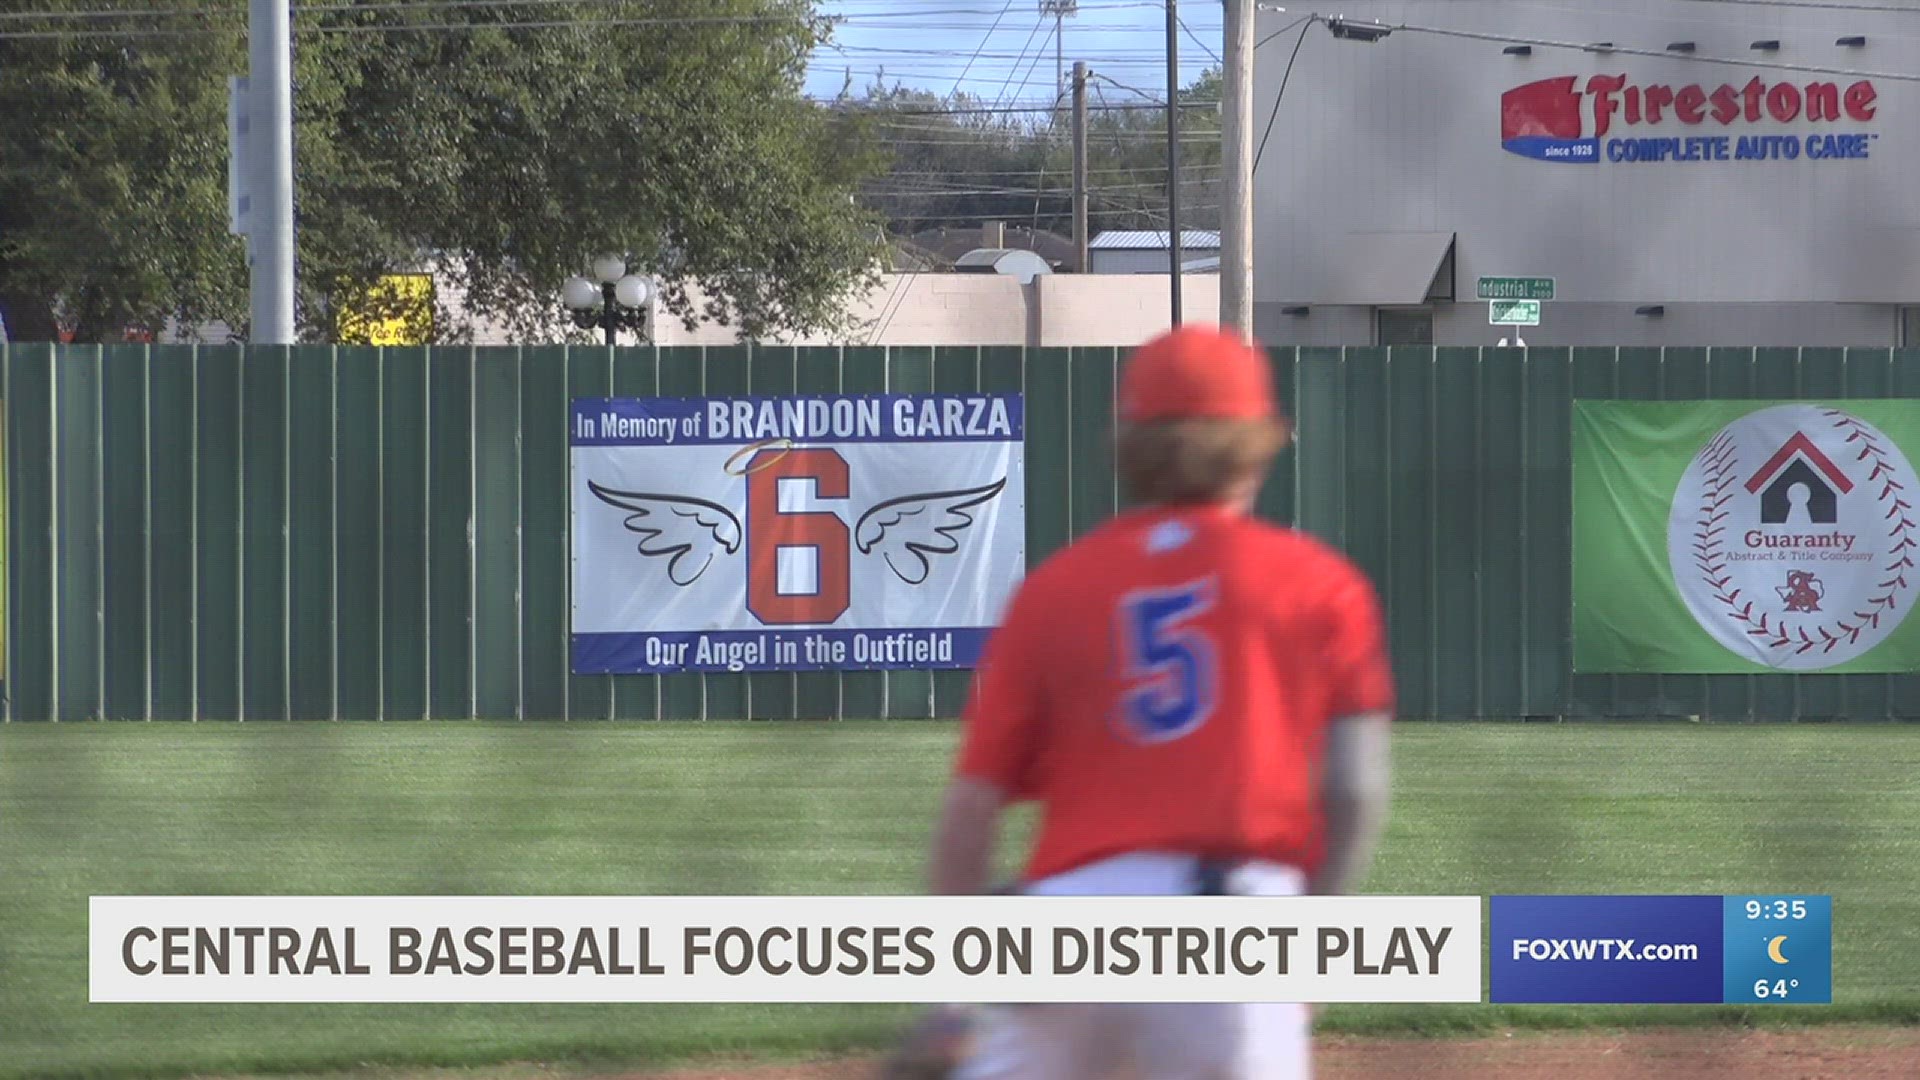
x=747 y=452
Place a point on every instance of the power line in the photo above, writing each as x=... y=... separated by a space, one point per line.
x=915 y=71
x=934 y=135
x=1212 y=138
x=1544 y=43
x=156 y=13
x=1129 y=89
x=893 y=27
x=934 y=188
x=884 y=111
x=1808 y=6
x=942 y=69
x=894 y=5
x=238 y=14
x=454 y=5
x=1003 y=95
x=1034 y=64
x=998 y=99
x=1305 y=25
x=395 y=28
x=958 y=57
x=1116 y=205
x=1140 y=55
x=1283 y=30
x=553 y=24
x=984 y=38
x=992 y=173
x=87 y=14
x=82 y=35
x=1195 y=38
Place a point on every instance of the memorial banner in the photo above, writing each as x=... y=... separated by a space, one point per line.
x=796 y=533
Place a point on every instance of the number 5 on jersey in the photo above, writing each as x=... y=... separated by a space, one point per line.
x=1168 y=667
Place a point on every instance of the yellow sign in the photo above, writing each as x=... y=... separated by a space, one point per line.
x=396 y=310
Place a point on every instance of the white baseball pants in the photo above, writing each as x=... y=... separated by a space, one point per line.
x=1148 y=1041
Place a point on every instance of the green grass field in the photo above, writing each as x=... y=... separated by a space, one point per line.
x=842 y=808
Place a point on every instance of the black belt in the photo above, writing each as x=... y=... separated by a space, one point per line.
x=1210 y=875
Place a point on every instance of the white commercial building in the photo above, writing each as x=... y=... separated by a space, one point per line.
x=1687 y=172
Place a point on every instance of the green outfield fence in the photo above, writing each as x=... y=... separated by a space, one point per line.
x=358 y=533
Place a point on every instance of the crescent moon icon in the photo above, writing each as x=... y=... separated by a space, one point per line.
x=1773 y=950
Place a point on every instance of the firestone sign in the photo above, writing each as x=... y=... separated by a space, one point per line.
x=1568 y=119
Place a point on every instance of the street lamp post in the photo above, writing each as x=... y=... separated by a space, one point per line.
x=616 y=302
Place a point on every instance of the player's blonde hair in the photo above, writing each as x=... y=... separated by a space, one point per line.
x=1194 y=461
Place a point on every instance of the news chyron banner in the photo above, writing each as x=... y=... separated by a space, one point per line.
x=923 y=949
x=1700 y=950
x=840 y=532
x=1745 y=536
x=1703 y=950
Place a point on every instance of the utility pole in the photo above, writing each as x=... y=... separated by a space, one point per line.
x=270 y=142
x=1236 y=131
x=1059 y=9
x=1080 y=166
x=1173 y=155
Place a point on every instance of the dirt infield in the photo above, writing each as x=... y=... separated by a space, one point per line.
x=1840 y=1053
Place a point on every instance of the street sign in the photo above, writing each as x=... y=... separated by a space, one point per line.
x=1513 y=312
x=1516 y=288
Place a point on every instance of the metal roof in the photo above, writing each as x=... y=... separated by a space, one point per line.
x=1133 y=240
x=981 y=257
x=951 y=243
x=1014 y=262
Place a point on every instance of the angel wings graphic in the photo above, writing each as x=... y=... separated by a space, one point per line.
x=691 y=533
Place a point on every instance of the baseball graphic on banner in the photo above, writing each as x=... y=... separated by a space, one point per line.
x=1792 y=536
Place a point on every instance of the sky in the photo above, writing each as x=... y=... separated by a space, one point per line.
x=931 y=45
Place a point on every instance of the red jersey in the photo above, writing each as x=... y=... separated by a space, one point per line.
x=1165 y=684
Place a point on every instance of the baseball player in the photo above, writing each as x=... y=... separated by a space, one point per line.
x=1198 y=701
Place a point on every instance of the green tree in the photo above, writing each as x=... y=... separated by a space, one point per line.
x=962 y=160
x=113 y=177
x=957 y=161
x=1127 y=159
x=504 y=146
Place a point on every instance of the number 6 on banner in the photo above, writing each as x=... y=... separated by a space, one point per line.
x=811 y=546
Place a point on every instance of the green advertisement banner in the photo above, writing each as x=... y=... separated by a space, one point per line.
x=1745 y=536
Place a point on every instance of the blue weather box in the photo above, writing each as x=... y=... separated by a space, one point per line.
x=1778 y=949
